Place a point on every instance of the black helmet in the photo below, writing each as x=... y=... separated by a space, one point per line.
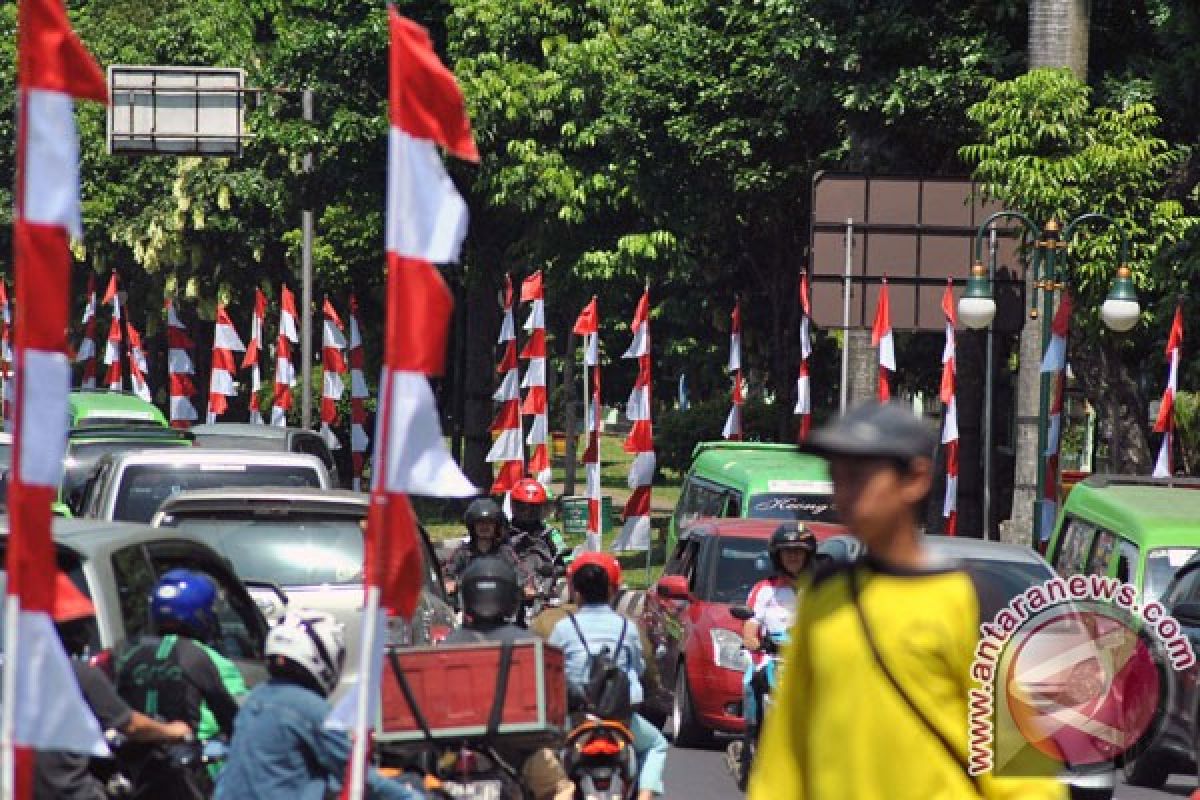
x=484 y=508
x=490 y=589
x=790 y=536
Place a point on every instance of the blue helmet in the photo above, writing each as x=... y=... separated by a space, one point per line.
x=185 y=600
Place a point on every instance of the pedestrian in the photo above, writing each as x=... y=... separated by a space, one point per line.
x=874 y=696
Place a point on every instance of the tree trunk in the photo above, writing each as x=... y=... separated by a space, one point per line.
x=482 y=323
x=864 y=367
x=1058 y=35
x=1123 y=428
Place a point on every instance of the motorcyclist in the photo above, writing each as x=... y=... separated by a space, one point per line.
x=487 y=530
x=529 y=504
x=491 y=597
x=283 y=749
x=173 y=674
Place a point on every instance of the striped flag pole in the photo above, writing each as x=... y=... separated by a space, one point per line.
x=112 y=346
x=507 y=450
x=635 y=533
x=285 y=370
x=86 y=354
x=333 y=367
x=226 y=342
x=950 y=412
x=138 y=368
x=803 y=389
x=180 y=370
x=536 y=403
x=1165 y=422
x=588 y=326
x=1054 y=361
x=881 y=337
x=6 y=358
x=733 y=423
x=358 y=397
x=253 y=358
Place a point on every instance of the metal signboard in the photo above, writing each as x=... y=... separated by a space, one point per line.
x=157 y=110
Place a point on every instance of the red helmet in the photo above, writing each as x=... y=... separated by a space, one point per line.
x=529 y=491
x=606 y=561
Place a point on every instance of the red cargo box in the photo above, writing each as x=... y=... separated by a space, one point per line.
x=454 y=687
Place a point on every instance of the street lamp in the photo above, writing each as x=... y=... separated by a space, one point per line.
x=977 y=309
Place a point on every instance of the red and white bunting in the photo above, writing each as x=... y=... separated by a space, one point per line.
x=1054 y=361
x=253 y=359
x=333 y=367
x=285 y=369
x=588 y=326
x=358 y=397
x=426 y=220
x=950 y=412
x=803 y=389
x=180 y=370
x=635 y=533
x=733 y=423
x=112 y=346
x=138 y=368
x=86 y=354
x=536 y=402
x=43 y=706
x=881 y=337
x=221 y=386
x=507 y=450
x=1165 y=422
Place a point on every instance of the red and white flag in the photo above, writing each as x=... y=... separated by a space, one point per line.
x=803 y=389
x=1165 y=422
x=950 y=412
x=86 y=354
x=1054 y=361
x=180 y=370
x=635 y=533
x=507 y=450
x=221 y=385
x=45 y=709
x=138 y=368
x=588 y=326
x=358 y=397
x=536 y=402
x=733 y=423
x=333 y=367
x=881 y=337
x=253 y=359
x=112 y=346
x=285 y=369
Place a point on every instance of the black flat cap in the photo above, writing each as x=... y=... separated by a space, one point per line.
x=875 y=430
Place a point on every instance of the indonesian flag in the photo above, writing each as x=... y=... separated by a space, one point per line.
x=881 y=337
x=358 y=397
x=426 y=222
x=635 y=533
x=46 y=710
x=253 y=359
x=733 y=423
x=803 y=390
x=507 y=450
x=226 y=342
x=285 y=370
x=536 y=403
x=333 y=367
x=588 y=326
x=950 y=412
x=1054 y=360
x=86 y=354
x=137 y=363
x=180 y=370
x=1165 y=423
x=112 y=347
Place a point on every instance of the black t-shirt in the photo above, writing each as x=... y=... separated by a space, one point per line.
x=65 y=776
x=170 y=677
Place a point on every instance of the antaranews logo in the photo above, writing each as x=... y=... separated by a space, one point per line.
x=1067 y=674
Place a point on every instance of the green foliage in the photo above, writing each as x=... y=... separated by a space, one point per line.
x=1187 y=431
x=676 y=432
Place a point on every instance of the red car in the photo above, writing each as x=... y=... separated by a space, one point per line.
x=697 y=643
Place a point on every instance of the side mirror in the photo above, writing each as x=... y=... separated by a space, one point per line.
x=741 y=612
x=673 y=587
x=1187 y=614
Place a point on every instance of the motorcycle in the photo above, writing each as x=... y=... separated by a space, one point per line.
x=599 y=759
x=182 y=769
x=761 y=680
x=475 y=773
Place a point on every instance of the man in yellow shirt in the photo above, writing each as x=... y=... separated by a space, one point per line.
x=873 y=700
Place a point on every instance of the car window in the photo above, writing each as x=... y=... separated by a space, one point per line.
x=1102 y=552
x=1187 y=590
x=238 y=622
x=675 y=563
x=816 y=507
x=741 y=563
x=1161 y=565
x=704 y=500
x=1073 y=549
x=1127 y=561
x=733 y=504
x=998 y=582
x=135 y=579
x=687 y=564
x=142 y=489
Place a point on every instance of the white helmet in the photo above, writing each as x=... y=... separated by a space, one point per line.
x=314 y=641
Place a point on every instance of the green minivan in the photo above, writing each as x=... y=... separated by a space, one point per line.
x=753 y=479
x=1139 y=530
x=92 y=407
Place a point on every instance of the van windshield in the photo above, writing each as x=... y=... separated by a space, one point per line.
x=1161 y=565
x=814 y=507
x=144 y=488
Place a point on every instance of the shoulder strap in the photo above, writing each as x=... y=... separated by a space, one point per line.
x=621 y=641
x=852 y=580
x=579 y=633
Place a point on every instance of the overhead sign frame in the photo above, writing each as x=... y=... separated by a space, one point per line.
x=168 y=110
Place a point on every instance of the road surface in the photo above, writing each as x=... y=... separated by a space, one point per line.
x=701 y=775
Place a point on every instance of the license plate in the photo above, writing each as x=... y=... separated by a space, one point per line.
x=478 y=790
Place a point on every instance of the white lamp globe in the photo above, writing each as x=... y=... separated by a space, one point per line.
x=1120 y=315
x=976 y=312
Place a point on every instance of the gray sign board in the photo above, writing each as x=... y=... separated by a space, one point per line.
x=175 y=110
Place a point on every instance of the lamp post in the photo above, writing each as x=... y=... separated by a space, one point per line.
x=977 y=309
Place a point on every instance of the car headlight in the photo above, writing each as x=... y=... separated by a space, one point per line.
x=728 y=652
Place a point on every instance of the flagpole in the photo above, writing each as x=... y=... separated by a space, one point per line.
x=849 y=266
x=370 y=629
x=8 y=714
